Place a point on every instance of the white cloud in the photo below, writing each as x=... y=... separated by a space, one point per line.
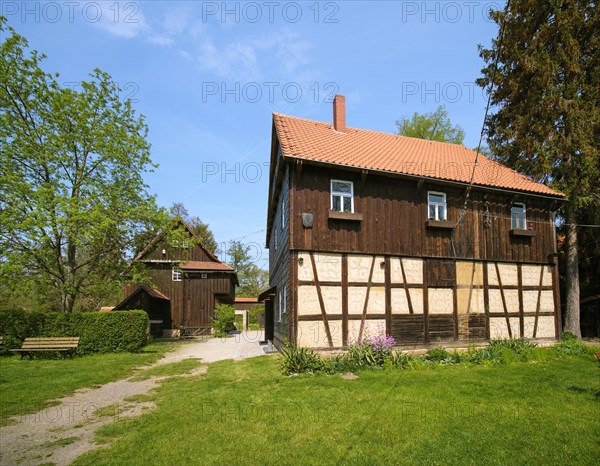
x=124 y=20
x=236 y=60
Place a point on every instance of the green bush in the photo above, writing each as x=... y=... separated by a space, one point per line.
x=223 y=320
x=297 y=360
x=254 y=317
x=99 y=332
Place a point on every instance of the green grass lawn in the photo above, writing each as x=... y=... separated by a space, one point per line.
x=27 y=385
x=545 y=412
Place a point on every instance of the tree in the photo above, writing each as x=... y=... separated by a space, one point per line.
x=201 y=229
x=252 y=278
x=434 y=126
x=547 y=123
x=72 y=198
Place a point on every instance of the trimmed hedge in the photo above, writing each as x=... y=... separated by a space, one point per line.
x=99 y=332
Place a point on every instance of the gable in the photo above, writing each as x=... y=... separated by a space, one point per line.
x=176 y=243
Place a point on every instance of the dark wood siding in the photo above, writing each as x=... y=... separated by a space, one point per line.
x=193 y=299
x=279 y=261
x=394 y=220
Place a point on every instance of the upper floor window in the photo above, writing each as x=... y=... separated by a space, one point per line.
x=436 y=204
x=518 y=217
x=176 y=274
x=180 y=244
x=342 y=196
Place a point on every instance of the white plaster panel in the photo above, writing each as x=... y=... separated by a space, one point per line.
x=305 y=272
x=329 y=267
x=416 y=297
x=530 y=274
x=547 y=276
x=530 y=301
x=545 y=327
x=332 y=298
x=413 y=268
x=499 y=329
x=399 y=302
x=511 y=297
x=308 y=300
x=376 y=300
x=508 y=274
x=356 y=299
x=441 y=301
x=395 y=270
x=312 y=334
x=359 y=268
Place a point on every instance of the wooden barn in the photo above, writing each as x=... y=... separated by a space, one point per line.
x=371 y=232
x=186 y=281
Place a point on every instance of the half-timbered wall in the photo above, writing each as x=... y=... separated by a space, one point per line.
x=343 y=297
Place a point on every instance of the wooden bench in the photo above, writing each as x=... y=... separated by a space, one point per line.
x=65 y=345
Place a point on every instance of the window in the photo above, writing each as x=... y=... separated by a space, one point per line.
x=285 y=299
x=176 y=274
x=518 y=217
x=203 y=275
x=279 y=304
x=183 y=244
x=275 y=238
x=282 y=214
x=342 y=196
x=436 y=203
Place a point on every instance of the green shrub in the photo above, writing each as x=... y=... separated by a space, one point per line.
x=298 y=360
x=254 y=317
x=570 y=344
x=437 y=355
x=223 y=319
x=99 y=332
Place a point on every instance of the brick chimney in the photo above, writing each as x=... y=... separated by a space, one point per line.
x=339 y=113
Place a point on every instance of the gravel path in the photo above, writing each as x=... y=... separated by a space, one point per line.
x=60 y=433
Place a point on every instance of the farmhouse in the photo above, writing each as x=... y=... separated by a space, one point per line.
x=185 y=283
x=372 y=232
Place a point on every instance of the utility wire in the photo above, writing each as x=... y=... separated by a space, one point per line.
x=487 y=109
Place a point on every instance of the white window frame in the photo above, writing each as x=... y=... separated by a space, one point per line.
x=279 y=307
x=437 y=206
x=513 y=214
x=176 y=274
x=342 y=195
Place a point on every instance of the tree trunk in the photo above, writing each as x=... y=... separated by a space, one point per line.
x=571 y=321
x=68 y=302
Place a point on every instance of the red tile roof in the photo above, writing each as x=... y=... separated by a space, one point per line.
x=365 y=149
x=206 y=265
x=246 y=300
x=155 y=293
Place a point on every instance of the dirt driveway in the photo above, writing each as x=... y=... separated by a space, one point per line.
x=60 y=433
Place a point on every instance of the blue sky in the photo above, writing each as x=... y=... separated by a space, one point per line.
x=208 y=75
